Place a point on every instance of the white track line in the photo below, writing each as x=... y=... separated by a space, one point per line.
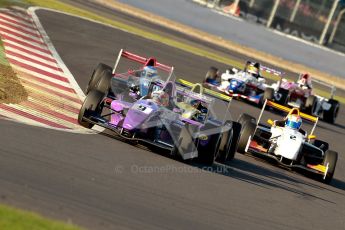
x=21 y=33
x=17 y=20
x=53 y=64
x=57 y=57
x=28 y=48
x=44 y=77
x=40 y=46
x=41 y=67
x=19 y=26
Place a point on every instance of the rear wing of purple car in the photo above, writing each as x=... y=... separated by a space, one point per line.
x=151 y=61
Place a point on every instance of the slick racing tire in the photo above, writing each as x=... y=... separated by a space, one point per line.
x=310 y=104
x=104 y=82
x=248 y=124
x=331 y=158
x=211 y=73
x=268 y=95
x=229 y=142
x=226 y=142
x=331 y=114
x=282 y=96
x=207 y=154
x=244 y=118
x=91 y=104
x=96 y=75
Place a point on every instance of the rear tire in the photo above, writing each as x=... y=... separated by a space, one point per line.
x=268 y=95
x=310 y=104
x=248 y=124
x=283 y=96
x=207 y=154
x=247 y=132
x=331 y=114
x=244 y=118
x=211 y=73
x=96 y=75
x=235 y=139
x=91 y=104
x=226 y=142
x=331 y=158
x=229 y=150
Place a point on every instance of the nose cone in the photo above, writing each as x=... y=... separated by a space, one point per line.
x=138 y=114
x=134 y=119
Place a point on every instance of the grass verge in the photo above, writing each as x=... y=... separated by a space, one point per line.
x=14 y=219
x=7 y=3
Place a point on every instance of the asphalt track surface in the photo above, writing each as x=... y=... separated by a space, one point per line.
x=244 y=33
x=101 y=183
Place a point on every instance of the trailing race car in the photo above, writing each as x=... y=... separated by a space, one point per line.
x=247 y=84
x=300 y=95
x=287 y=143
x=169 y=117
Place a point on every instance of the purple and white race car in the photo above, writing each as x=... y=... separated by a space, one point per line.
x=171 y=117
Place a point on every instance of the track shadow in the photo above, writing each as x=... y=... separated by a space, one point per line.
x=338 y=125
x=250 y=172
x=269 y=179
x=338 y=184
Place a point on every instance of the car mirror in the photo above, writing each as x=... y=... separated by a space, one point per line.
x=270 y=121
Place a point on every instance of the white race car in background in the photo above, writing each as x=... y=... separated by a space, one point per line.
x=241 y=84
x=291 y=94
x=294 y=149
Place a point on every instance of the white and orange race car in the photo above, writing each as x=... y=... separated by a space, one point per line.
x=291 y=147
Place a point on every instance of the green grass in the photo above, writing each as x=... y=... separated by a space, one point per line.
x=7 y=3
x=14 y=219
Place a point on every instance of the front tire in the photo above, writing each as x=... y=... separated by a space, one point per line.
x=268 y=95
x=247 y=133
x=98 y=72
x=331 y=158
x=248 y=124
x=310 y=104
x=331 y=114
x=104 y=82
x=91 y=104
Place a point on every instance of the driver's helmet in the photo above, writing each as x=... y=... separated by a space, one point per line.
x=253 y=70
x=304 y=80
x=160 y=97
x=195 y=103
x=149 y=71
x=293 y=121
